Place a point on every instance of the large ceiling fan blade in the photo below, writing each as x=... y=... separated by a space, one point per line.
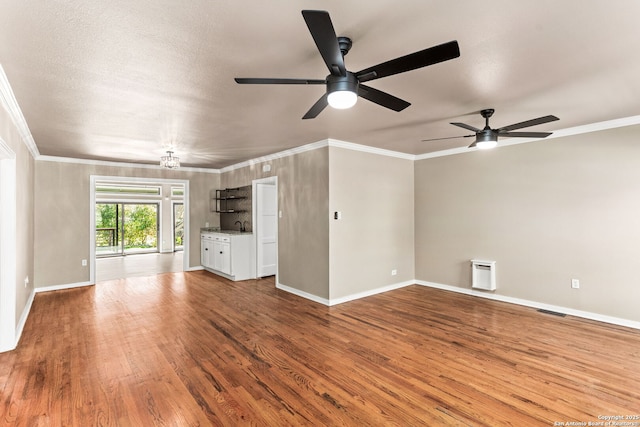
x=524 y=134
x=317 y=108
x=252 y=81
x=382 y=98
x=466 y=126
x=533 y=122
x=423 y=58
x=450 y=137
x=321 y=29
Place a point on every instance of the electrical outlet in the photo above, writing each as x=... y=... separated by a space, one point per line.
x=575 y=283
x=394 y=272
x=84 y=262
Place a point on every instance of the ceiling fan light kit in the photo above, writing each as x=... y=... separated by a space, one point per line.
x=344 y=87
x=342 y=91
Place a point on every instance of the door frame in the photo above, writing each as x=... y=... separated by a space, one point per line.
x=121 y=179
x=8 y=273
x=272 y=180
x=173 y=223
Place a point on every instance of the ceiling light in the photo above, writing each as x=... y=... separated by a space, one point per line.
x=342 y=99
x=487 y=138
x=169 y=161
x=485 y=145
x=342 y=91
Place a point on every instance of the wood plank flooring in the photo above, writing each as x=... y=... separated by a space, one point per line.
x=182 y=349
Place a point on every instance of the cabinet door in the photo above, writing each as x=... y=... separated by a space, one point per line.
x=206 y=253
x=225 y=261
x=222 y=257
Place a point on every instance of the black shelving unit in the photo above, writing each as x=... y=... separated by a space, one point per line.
x=226 y=200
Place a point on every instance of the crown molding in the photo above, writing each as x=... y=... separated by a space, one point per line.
x=278 y=155
x=368 y=149
x=8 y=101
x=119 y=164
x=317 y=145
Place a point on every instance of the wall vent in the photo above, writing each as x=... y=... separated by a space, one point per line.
x=483 y=275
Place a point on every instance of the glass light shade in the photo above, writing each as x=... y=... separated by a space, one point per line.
x=485 y=145
x=169 y=161
x=342 y=99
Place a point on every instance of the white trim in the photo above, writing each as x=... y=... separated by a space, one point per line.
x=41 y=289
x=368 y=149
x=8 y=101
x=335 y=301
x=24 y=317
x=8 y=273
x=119 y=164
x=278 y=155
x=303 y=294
x=196 y=268
x=577 y=130
x=92 y=215
x=341 y=300
x=316 y=145
x=570 y=311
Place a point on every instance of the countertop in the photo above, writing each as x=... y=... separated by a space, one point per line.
x=217 y=230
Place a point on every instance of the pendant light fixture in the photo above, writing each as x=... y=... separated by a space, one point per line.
x=170 y=161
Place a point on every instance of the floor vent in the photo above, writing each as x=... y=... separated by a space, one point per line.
x=555 y=313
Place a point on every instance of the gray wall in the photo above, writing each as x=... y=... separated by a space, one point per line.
x=303 y=230
x=547 y=212
x=62 y=236
x=375 y=194
x=24 y=211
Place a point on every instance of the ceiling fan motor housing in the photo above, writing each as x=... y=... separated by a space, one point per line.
x=486 y=135
x=337 y=83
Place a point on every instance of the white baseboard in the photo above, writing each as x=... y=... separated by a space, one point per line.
x=534 y=304
x=347 y=298
x=196 y=268
x=303 y=294
x=335 y=301
x=62 y=287
x=24 y=316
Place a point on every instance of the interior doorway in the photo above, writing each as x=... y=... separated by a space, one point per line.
x=137 y=224
x=265 y=220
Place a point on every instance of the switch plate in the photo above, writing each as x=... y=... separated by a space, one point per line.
x=575 y=283
x=84 y=262
x=394 y=272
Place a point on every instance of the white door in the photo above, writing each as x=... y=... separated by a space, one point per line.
x=266 y=229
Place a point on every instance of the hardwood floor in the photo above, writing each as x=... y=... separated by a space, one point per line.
x=193 y=349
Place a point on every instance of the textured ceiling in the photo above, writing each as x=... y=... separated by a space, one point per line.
x=121 y=80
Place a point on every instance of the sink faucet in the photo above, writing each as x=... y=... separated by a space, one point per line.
x=241 y=226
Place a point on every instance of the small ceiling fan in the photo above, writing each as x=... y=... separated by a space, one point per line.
x=343 y=86
x=488 y=137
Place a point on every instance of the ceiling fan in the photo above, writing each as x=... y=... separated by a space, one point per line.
x=488 y=137
x=343 y=86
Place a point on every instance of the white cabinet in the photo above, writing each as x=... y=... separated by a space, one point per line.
x=206 y=250
x=229 y=255
x=222 y=255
